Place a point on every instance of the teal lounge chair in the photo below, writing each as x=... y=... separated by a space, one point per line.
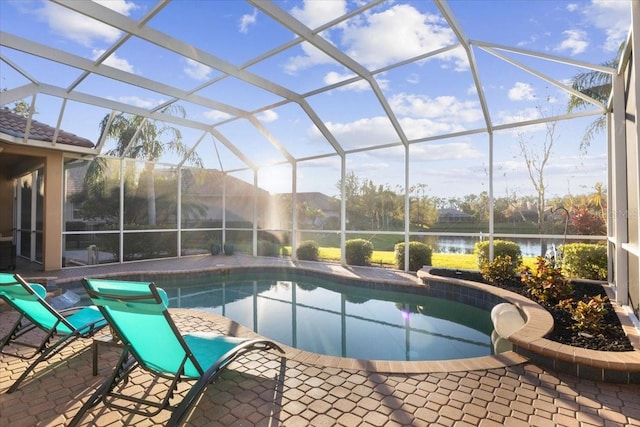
x=61 y=327
x=138 y=314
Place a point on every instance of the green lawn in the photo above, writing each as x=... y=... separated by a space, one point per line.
x=387 y=258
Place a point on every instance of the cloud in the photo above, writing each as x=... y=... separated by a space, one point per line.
x=523 y=115
x=82 y=30
x=374 y=131
x=311 y=57
x=376 y=39
x=397 y=33
x=445 y=151
x=123 y=7
x=413 y=78
x=248 y=20
x=268 y=116
x=333 y=77
x=113 y=61
x=196 y=70
x=446 y=108
x=357 y=86
x=522 y=92
x=366 y=132
x=314 y=13
x=612 y=17
x=216 y=115
x=572 y=7
x=417 y=128
x=575 y=42
x=139 y=102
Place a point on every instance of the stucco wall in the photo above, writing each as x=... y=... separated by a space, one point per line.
x=52 y=226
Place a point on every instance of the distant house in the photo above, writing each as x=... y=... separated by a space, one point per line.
x=208 y=188
x=453 y=215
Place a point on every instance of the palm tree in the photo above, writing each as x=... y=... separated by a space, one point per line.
x=140 y=138
x=596 y=85
x=598 y=199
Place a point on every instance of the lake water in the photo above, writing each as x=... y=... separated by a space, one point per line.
x=465 y=245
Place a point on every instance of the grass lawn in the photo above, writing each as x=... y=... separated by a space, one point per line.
x=387 y=258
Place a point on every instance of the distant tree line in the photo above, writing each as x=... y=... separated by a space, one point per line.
x=372 y=206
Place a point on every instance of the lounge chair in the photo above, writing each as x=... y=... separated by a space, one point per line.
x=138 y=314
x=61 y=327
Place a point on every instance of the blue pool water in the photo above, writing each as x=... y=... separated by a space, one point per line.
x=320 y=316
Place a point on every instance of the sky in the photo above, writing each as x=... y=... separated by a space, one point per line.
x=429 y=98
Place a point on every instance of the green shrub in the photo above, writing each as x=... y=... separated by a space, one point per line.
x=499 y=271
x=268 y=248
x=308 y=250
x=419 y=255
x=587 y=315
x=358 y=251
x=585 y=260
x=547 y=283
x=501 y=248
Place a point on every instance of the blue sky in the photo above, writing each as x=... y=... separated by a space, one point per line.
x=430 y=97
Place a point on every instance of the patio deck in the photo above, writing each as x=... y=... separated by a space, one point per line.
x=302 y=389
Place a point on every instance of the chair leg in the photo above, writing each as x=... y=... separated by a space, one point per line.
x=212 y=374
x=13 y=334
x=189 y=400
x=90 y=403
x=46 y=354
x=125 y=364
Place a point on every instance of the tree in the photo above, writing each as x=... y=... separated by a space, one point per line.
x=423 y=209
x=476 y=205
x=596 y=85
x=20 y=107
x=536 y=162
x=143 y=139
x=599 y=199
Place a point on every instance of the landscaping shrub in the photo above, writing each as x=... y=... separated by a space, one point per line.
x=501 y=248
x=358 y=251
x=499 y=271
x=585 y=260
x=588 y=315
x=308 y=250
x=268 y=248
x=228 y=248
x=547 y=283
x=419 y=255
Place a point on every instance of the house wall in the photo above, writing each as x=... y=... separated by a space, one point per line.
x=6 y=204
x=52 y=224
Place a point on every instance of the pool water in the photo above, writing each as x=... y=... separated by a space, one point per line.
x=320 y=316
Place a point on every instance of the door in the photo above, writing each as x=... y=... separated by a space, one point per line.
x=29 y=215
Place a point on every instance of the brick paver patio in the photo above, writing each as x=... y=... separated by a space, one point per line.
x=266 y=389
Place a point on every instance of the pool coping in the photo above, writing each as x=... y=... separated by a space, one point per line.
x=529 y=344
x=508 y=358
x=349 y=275
x=529 y=341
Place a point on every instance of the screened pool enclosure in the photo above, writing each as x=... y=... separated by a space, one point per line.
x=264 y=124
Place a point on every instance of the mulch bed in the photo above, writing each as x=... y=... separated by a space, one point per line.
x=611 y=338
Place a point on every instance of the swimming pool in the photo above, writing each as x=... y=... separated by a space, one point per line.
x=355 y=321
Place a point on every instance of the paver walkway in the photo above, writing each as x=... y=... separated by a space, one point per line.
x=265 y=389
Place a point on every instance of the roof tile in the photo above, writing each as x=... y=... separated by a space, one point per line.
x=15 y=124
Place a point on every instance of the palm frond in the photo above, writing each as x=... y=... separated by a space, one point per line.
x=594 y=128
